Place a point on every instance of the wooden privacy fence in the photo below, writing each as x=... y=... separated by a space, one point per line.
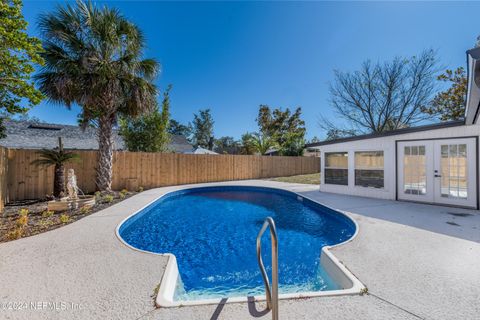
x=147 y=170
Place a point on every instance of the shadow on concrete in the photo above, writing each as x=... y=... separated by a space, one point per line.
x=455 y=222
x=219 y=309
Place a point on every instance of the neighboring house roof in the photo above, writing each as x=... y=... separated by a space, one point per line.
x=271 y=152
x=200 y=150
x=179 y=144
x=35 y=135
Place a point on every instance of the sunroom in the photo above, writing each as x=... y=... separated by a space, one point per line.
x=435 y=163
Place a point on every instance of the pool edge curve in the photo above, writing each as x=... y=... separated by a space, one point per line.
x=336 y=269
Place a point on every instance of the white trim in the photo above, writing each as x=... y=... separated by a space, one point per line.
x=332 y=265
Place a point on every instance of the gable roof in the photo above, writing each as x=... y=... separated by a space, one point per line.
x=35 y=135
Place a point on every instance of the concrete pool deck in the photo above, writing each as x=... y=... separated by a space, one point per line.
x=418 y=262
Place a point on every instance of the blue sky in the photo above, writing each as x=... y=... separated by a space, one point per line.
x=232 y=56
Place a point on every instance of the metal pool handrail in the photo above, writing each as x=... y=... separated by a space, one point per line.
x=271 y=291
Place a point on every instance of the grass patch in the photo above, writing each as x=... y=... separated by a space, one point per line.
x=313 y=178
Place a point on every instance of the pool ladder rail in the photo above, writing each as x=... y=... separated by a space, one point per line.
x=271 y=291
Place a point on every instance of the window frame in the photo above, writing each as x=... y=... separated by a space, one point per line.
x=382 y=151
x=347 y=168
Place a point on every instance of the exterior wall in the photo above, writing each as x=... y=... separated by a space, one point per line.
x=387 y=145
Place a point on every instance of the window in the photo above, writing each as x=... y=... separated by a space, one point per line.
x=336 y=168
x=414 y=170
x=369 y=169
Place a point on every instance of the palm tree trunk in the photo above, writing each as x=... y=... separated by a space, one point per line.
x=59 y=181
x=105 y=156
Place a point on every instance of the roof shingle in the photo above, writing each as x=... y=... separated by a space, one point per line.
x=33 y=135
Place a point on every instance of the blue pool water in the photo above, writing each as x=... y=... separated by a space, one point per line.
x=212 y=232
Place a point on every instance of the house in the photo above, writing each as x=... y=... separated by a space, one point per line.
x=201 y=150
x=180 y=144
x=311 y=152
x=39 y=135
x=272 y=152
x=436 y=163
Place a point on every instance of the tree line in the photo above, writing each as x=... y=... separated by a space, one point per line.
x=280 y=132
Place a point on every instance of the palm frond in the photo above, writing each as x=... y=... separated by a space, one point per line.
x=55 y=156
x=148 y=68
x=94 y=58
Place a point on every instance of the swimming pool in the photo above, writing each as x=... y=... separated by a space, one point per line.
x=211 y=231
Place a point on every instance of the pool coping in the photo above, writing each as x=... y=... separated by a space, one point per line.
x=334 y=267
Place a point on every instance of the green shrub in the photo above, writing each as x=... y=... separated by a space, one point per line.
x=140 y=189
x=47 y=213
x=108 y=198
x=22 y=221
x=45 y=223
x=15 y=234
x=85 y=209
x=23 y=212
x=64 y=218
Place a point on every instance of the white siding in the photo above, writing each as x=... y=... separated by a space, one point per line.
x=387 y=145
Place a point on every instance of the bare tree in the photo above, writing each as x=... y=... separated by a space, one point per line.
x=383 y=96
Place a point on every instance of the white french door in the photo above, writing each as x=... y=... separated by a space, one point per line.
x=438 y=171
x=455 y=179
x=415 y=171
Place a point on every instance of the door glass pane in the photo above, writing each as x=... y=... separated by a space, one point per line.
x=462 y=151
x=444 y=151
x=421 y=150
x=453 y=150
x=414 y=151
x=453 y=168
x=414 y=170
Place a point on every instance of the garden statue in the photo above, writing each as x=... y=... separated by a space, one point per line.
x=72 y=188
x=73 y=200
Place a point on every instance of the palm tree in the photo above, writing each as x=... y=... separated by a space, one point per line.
x=57 y=157
x=262 y=143
x=93 y=58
